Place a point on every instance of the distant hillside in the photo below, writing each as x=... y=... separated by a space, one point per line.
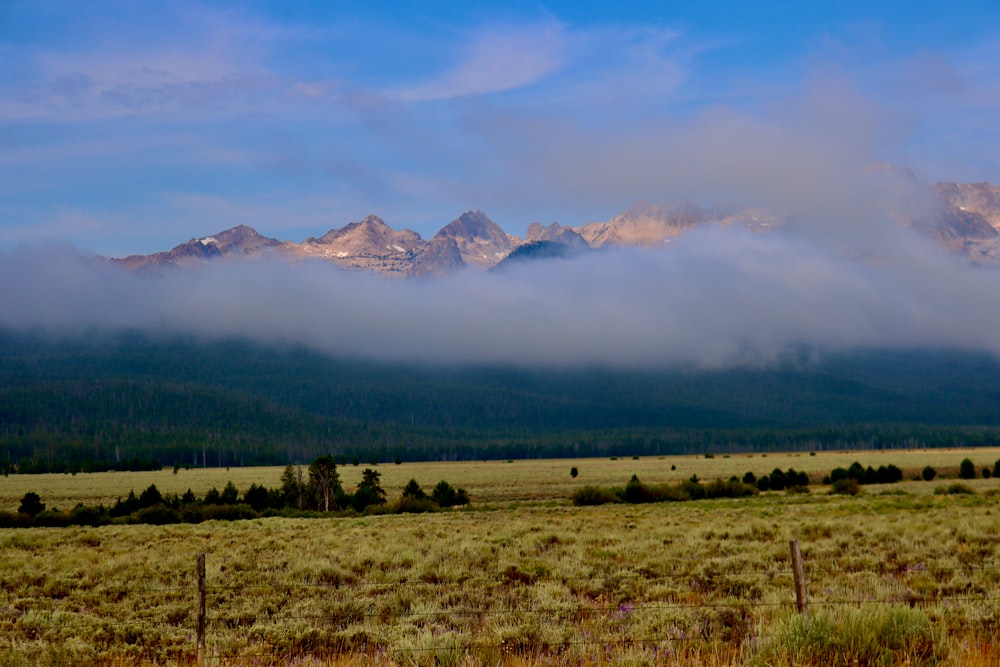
x=237 y=403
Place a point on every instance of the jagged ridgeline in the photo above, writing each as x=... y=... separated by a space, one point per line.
x=964 y=218
x=107 y=399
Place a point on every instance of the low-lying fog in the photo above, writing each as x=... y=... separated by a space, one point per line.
x=715 y=297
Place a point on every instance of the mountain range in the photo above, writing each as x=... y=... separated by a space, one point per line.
x=964 y=218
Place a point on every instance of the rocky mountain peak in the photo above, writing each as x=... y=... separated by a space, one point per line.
x=371 y=224
x=472 y=225
x=964 y=218
x=555 y=233
x=481 y=242
x=371 y=237
x=437 y=257
x=644 y=224
x=980 y=198
x=240 y=239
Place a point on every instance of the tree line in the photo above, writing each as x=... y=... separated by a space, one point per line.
x=145 y=450
x=317 y=491
x=845 y=481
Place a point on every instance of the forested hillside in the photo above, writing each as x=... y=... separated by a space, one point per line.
x=98 y=400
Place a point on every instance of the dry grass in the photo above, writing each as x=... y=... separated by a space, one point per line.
x=490 y=482
x=506 y=583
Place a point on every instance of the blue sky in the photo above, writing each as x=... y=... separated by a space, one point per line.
x=132 y=126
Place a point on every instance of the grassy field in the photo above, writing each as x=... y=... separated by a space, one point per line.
x=497 y=481
x=896 y=575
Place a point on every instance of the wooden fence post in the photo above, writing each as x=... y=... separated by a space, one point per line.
x=201 y=610
x=800 y=578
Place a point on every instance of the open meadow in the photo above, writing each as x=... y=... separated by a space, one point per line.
x=490 y=482
x=899 y=574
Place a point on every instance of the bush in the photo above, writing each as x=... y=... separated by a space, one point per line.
x=14 y=520
x=51 y=519
x=150 y=497
x=793 y=478
x=956 y=489
x=257 y=497
x=158 y=515
x=847 y=486
x=413 y=491
x=226 y=513
x=729 y=489
x=692 y=489
x=594 y=495
x=414 y=505
x=928 y=473
x=637 y=492
x=446 y=495
x=82 y=515
x=230 y=494
x=672 y=493
x=967 y=469
x=125 y=507
x=573 y=472
x=889 y=474
x=996 y=468
x=31 y=504
x=764 y=483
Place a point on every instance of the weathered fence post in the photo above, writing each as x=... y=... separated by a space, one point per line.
x=201 y=610
x=800 y=578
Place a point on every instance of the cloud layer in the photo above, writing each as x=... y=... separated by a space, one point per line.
x=717 y=297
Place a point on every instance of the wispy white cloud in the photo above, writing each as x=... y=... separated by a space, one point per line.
x=199 y=60
x=143 y=86
x=497 y=59
x=625 y=67
x=603 y=67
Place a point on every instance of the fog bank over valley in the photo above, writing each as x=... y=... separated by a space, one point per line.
x=715 y=297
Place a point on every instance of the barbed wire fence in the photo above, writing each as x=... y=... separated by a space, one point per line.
x=213 y=618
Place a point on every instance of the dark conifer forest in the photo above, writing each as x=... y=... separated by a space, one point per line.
x=130 y=401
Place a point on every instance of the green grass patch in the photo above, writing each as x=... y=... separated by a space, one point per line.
x=873 y=635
